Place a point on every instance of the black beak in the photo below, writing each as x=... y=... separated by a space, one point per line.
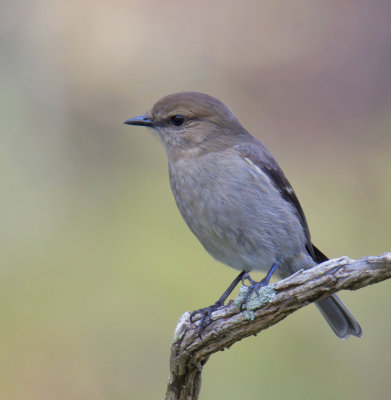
x=142 y=120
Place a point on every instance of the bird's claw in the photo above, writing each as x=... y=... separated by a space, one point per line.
x=206 y=316
x=247 y=277
x=250 y=289
x=256 y=285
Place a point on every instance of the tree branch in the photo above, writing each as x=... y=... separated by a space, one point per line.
x=229 y=325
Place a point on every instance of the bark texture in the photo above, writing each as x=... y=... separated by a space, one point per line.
x=229 y=325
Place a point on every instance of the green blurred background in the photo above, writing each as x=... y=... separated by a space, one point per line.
x=96 y=262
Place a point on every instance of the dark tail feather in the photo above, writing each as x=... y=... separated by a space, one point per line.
x=339 y=317
x=319 y=256
x=334 y=311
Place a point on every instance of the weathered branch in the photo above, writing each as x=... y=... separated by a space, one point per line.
x=189 y=353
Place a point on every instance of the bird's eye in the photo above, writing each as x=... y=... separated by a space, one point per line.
x=177 y=120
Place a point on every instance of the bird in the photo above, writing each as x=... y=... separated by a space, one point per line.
x=235 y=198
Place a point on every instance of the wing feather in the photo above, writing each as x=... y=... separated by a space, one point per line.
x=262 y=158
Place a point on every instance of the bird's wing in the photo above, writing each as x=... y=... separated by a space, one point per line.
x=258 y=155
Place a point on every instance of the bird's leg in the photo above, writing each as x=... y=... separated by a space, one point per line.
x=206 y=312
x=247 y=277
x=256 y=285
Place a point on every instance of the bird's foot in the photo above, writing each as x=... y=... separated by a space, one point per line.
x=256 y=285
x=206 y=316
x=250 y=288
x=247 y=277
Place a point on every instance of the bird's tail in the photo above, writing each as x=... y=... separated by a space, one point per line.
x=339 y=318
x=335 y=312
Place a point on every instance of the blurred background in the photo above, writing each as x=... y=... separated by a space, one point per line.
x=96 y=262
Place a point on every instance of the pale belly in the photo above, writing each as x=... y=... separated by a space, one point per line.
x=237 y=222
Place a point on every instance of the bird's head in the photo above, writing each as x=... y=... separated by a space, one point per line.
x=191 y=123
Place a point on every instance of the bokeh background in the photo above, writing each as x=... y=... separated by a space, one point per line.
x=96 y=262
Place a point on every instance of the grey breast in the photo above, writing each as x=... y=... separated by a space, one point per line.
x=235 y=211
